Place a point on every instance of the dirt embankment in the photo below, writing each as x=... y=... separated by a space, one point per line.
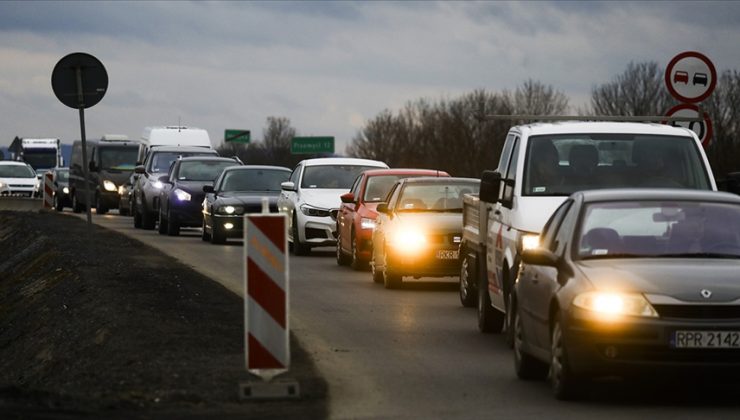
x=112 y=327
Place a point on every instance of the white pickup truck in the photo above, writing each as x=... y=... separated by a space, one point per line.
x=543 y=163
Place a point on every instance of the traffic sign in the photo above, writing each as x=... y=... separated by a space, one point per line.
x=309 y=145
x=85 y=70
x=703 y=128
x=236 y=136
x=690 y=77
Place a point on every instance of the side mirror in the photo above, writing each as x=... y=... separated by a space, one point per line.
x=288 y=186
x=539 y=256
x=208 y=189
x=490 y=186
x=165 y=179
x=92 y=166
x=348 y=198
x=383 y=208
x=139 y=169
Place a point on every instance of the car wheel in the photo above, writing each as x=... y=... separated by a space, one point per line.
x=341 y=258
x=99 y=206
x=76 y=206
x=217 y=236
x=205 y=236
x=489 y=319
x=355 y=262
x=137 y=217
x=468 y=274
x=377 y=274
x=565 y=385
x=526 y=366
x=299 y=249
x=148 y=219
x=57 y=203
x=173 y=225
x=162 y=228
x=391 y=280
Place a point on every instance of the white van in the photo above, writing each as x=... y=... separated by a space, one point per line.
x=172 y=136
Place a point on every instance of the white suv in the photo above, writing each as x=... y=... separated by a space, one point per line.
x=18 y=178
x=311 y=198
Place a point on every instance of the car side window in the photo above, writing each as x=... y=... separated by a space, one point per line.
x=355 y=190
x=294 y=175
x=503 y=162
x=564 y=232
x=513 y=163
x=551 y=227
x=393 y=195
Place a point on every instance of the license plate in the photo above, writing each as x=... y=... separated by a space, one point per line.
x=706 y=340
x=447 y=254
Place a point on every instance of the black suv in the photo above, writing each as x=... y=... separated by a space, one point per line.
x=181 y=199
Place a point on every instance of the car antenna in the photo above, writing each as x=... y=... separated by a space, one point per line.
x=179 y=124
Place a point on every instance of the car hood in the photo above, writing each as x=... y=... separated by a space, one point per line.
x=192 y=186
x=322 y=198
x=19 y=181
x=428 y=221
x=679 y=278
x=117 y=177
x=246 y=198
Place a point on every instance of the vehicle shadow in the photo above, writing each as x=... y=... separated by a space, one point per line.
x=421 y=285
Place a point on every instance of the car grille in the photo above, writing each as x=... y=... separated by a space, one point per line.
x=663 y=354
x=698 y=311
x=313 y=233
x=447 y=239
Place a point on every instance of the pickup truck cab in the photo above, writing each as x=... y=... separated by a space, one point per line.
x=541 y=164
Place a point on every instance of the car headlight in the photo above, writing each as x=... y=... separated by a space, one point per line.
x=529 y=241
x=314 y=211
x=109 y=185
x=182 y=195
x=231 y=210
x=615 y=304
x=121 y=190
x=65 y=190
x=366 y=223
x=157 y=184
x=2 y=185
x=408 y=240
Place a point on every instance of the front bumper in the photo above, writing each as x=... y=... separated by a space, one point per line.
x=188 y=213
x=221 y=222
x=110 y=199
x=425 y=263
x=641 y=345
x=364 y=243
x=317 y=231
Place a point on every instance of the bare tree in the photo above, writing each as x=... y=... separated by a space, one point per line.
x=640 y=90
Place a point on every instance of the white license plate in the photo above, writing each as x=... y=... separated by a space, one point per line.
x=706 y=340
x=447 y=254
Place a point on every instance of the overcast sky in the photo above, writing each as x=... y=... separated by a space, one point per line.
x=327 y=66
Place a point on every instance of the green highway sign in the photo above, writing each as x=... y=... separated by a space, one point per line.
x=236 y=136
x=310 y=145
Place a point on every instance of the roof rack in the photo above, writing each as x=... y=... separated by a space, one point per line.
x=638 y=118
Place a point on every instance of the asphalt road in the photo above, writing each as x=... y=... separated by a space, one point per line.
x=415 y=352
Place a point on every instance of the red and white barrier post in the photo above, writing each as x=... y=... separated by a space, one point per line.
x=266 y=305
x=48 y=186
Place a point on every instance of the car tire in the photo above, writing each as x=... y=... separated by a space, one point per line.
x=217 y=236
x=299 y=249
x=205 y=236
x=342 y=259
x=100 y=208
x=123 y=212
x=526 y=367
x=162 y=227
x=391 y=280
x=377 y=274
x=489 y=319
x=148 y=220
x=565 y=385
x=468 y=274
x=76 y=206
x=57 y=203
x=173 y=225
x=137 y=217
x=356 y=262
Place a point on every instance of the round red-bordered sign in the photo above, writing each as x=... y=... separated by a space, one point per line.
x=705 y=130
x=690 y=77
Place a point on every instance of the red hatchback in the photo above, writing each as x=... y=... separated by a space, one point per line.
x=356 y=218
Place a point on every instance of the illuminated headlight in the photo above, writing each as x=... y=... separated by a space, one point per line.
x=157 y=184
x=121 y=189
x=231 y=210
x=530 y=241
x=109 y=186
x=64 y=190
x=182 y=195
x=615 y=304
x=408 y=240
x=366 y=223
x=228 y=226
x=313 y=211
x=2 y=185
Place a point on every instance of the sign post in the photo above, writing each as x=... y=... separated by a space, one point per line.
x=311 y=145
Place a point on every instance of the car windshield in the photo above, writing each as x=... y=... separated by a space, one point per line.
x=254 y=180
x=435 y=197
x=40 y=158
x=563 y=164
x=377 y=187
x=63 y=176
x=16 y=171
x=119 y=158
x=202 y=170
x=161 y=161
x=659 y=229
x=332 y=176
